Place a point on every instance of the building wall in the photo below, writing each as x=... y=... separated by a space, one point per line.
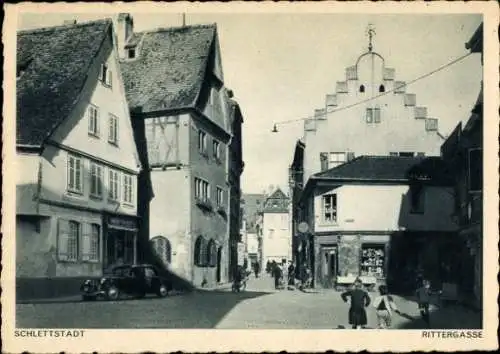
x=277 y=238
x=386 y=208
x=170 y=215
x=212 y=224
x=26 y=168
x=401 y=128
x=73 y=131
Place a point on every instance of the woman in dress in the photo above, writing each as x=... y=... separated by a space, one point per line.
x=359 y=300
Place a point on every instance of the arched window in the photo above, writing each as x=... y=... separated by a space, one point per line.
x=362 y=88
x=381 y=88
x=211 y=253
x=200 y=252
x=162 y=248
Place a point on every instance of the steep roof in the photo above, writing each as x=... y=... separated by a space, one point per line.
x=277 y=194
x=390 y=168
x=170 y=67
x=52 y=66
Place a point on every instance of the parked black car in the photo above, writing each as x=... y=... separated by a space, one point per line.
x=136 y=280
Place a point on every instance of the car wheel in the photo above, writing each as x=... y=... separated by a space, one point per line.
x=113 y=293
x=162 y=290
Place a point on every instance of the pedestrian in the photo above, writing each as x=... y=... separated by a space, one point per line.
x=359 y=300
x=424 y=294
x=384 y=304
x=257 y=269
x=291 y=276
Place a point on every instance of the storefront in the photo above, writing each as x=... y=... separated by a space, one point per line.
x=120 y=239
x=350 y=256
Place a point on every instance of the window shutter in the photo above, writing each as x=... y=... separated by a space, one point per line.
x=376 y=117
x=62 y=239
x=85 y=240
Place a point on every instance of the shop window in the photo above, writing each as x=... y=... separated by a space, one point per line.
x=475 y=169
x=162 y=248
x=329 y=208
x=373 y=260
x=211 y=253
x=67 y=240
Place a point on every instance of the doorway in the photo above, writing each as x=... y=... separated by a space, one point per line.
x=219 y=267
x=329 y=267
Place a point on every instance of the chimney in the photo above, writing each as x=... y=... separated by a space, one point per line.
x=124 y=30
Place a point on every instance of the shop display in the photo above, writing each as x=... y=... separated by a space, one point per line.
x=372 y=261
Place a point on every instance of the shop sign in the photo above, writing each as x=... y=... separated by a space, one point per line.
x=122 y=223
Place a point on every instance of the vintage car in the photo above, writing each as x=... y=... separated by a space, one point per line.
x=136 y=280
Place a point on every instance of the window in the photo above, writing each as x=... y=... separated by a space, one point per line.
x=373 y=115
x=216 y=149
x=93 y=120
x=431 y=124
x=220 y=196
x=128 y=194
x=362 y=88
x=372 y=260
x=420 y=154
x=475 y=170
x=96 y=176
x=75 y=182
x=67 y=240
x=201 y=189
x=91 y=242
x=211 y=254
x=114 y=185
x=113 y=129
x=329 y=208
x=417 y=199
x=105 y=75
x=336 y=159
x=393 y=154
x=202 y=142
x=200 y=252
x=162 y=248
x=381 y=88
x=131 y=53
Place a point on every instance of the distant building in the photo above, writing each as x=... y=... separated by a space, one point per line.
x=463 y=150
x=252 y=206
x=77 y=162
x=183 y=119
x=384 y=217
x=276 y=233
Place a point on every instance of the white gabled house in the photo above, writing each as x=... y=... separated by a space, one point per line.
x=77 y=162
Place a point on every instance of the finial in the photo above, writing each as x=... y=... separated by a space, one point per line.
x=370 y=31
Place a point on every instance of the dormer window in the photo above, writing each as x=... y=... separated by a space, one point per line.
x=22 y=66
x=131 y=53
x=381 y=88
x=362 y=88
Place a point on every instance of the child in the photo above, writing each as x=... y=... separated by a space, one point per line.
x=384 y=305
x=424 y=294
x=359 y=300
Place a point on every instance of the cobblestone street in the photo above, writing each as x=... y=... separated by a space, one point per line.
x=260 y=306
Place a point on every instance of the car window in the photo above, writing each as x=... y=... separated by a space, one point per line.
x=150 y=272
x=137 y=272
x=121 y=271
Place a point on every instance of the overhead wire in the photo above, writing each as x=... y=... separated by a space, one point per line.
x=442 y=67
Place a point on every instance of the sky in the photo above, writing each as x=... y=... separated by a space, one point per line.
x=280 y=67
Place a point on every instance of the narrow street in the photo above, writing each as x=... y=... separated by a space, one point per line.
x=260 y=306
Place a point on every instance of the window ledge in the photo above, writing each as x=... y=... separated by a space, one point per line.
x=74 y=194
x=113 y=201
x=115 y=144
x=95 y=197
x=128 y=205
x=204 y=204
x=94 y=135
